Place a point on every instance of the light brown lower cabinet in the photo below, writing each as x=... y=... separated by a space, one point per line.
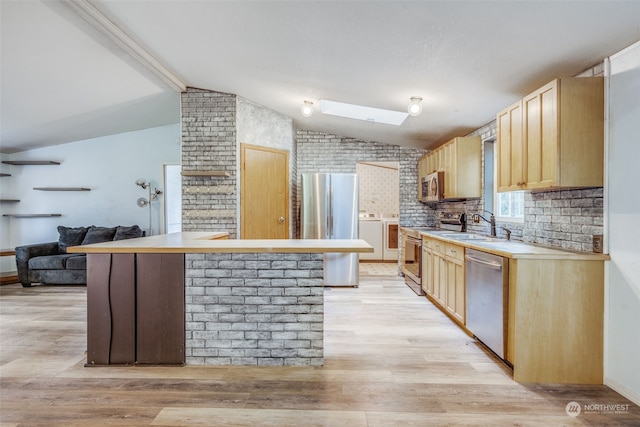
x=443 y=276
x=555 y=320
x=555 y=311
x=427 y=267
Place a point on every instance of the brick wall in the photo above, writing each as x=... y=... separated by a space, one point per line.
x=320 y=152
x=263 y=309
x=209 y=143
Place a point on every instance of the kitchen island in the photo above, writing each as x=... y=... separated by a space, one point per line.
x=199 y=298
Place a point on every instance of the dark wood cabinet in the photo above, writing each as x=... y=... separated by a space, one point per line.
x=160 y=327
x=135 y=309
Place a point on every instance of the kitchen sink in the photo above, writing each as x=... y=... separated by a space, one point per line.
x=469 y=236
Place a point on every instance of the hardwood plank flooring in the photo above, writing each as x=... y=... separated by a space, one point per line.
x=391 y=359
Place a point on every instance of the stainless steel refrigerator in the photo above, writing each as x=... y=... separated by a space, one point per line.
x=329 y=210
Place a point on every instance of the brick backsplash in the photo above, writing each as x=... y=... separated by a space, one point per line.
x=567 y=218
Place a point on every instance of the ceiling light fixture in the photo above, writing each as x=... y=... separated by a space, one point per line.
x=415 y=106
x=307 y=109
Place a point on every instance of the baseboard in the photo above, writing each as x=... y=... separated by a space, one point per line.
x=632 y=395
x=8 y=278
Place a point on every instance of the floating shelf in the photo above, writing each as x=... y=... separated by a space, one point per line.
x=62 y=188
x=5 y=174
x=31 y=215
x=9 y=200
x=205 y=173
x=30 y=162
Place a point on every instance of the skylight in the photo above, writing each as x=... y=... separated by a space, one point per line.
x=359 y=112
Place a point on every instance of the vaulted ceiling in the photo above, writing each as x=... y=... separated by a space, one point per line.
x=77 y=69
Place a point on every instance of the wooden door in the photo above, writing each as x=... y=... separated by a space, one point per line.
x=264 y=193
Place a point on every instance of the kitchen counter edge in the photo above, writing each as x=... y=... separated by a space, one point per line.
x=517 y=249
x=218 y=242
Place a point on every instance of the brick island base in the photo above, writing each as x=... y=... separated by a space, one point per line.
x=264 y=309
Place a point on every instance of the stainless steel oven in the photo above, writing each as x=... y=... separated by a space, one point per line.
x=412 y=246
x=412 y=260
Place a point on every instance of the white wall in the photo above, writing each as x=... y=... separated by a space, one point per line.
x=109 y=166
x=622 y=309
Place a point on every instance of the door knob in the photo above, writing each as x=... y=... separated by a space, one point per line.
x=281 y=219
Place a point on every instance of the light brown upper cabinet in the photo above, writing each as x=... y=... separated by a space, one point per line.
x=510 y=160
x=461 y=161
x=553 y=137
x=463 y=164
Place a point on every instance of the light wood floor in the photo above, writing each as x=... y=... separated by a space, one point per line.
x=392 y=359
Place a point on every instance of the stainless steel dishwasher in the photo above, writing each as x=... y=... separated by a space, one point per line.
x=487 y=281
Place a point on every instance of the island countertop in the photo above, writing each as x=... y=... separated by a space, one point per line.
x=212 y=242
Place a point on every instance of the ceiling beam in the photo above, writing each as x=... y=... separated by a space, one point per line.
x=105 y=26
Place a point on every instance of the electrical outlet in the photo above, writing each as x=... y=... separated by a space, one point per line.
x=597 y=243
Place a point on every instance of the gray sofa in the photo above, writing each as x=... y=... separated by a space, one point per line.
x=49 y=263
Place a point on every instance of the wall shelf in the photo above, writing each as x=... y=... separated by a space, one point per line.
x=61 y=188
x=205 y=173
x=31 y=215
x=5 y=174
x=30 y=162
x=9 y=200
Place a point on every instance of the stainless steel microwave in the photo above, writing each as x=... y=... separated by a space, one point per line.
x=433 y=187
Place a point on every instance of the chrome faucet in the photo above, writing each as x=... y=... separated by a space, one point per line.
x=491 y=220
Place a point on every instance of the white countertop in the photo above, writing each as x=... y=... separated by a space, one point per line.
x=206 y=242
x=512 y=248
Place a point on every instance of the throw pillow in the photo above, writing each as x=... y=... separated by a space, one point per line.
x=123 y=233
x=70 y=237
x=99 y=235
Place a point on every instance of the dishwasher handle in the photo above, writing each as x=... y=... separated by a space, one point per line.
x=493 y=265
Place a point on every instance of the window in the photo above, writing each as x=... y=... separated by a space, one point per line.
x=506 y=206
x=510 y=206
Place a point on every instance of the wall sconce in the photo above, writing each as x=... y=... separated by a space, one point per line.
x=415 y=106
x=307 y=109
